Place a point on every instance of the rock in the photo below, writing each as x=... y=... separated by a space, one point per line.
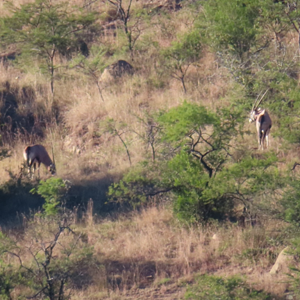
x=116 y=70
x=289 y=297
x=282 y=262
x=215 y=241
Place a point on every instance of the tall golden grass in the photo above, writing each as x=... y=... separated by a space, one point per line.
x=151 y=249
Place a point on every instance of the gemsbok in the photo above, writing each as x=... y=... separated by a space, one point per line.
x=35 y=155
x=263 y=122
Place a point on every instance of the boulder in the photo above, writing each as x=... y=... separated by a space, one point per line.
x=116 y=70
x=282 y=262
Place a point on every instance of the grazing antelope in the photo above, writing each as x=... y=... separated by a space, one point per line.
x=35 y=155
x=263 y=122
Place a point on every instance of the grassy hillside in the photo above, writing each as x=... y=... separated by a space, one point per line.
x=164 y=179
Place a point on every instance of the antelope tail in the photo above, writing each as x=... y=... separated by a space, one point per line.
x=26 y=155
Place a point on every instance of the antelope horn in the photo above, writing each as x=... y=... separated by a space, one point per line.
x=256 y=100
x=261 y=98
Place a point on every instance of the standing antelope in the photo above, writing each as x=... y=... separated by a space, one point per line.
x=263 y=122
x=37 y=154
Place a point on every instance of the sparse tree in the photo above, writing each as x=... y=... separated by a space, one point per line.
x=149 y=134
x=181 y=55
x=92 y=67
x=117 y=129
x=124 y=13
x=47 y=255
x=41 y=30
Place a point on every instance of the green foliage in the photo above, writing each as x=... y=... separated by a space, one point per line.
x=240 y=182
x=257 y=33
x=232 y=24
x=45 y=26
x=186 y=49
x=6 y=281
x=196 y=164
x=136 y=186
x=283 y=97
x=183 y=120
x=94 y=65
x=181 y=54
x=291 y=202
x=279 y=17
x=217 y=288
x=52 y=190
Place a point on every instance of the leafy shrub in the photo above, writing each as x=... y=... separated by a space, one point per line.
x=231 y=24
x=181 y=55
x=217 y=288
x=6 y=281
x=195 y=164
x=52 y=190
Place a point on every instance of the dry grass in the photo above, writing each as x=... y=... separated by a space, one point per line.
x=151 y=249
x=153 y=241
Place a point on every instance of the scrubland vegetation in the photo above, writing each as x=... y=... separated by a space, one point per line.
x=161 y=190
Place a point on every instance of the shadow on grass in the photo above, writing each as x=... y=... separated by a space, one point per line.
x=82 y=192
x=17 y=202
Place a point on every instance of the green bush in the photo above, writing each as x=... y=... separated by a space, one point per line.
x=217 y=288
x=197 y=167
x=52 y=190
x=231 y=24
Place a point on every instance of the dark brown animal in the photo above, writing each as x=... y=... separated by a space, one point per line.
x=35 y=155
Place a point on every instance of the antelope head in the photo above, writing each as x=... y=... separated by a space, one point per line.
x=255 y=111
x=52 y=169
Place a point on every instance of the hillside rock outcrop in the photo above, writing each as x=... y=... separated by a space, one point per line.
x=116 y=70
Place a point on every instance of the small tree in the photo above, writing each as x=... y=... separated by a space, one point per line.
x=115 y=129
x=93 y=67
x=49 y=255
x=181 y=55
x=149 y=134
x=231 y=24
x=52 y=190
x=124 y=13
x=197 y=166
x=43 y=29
